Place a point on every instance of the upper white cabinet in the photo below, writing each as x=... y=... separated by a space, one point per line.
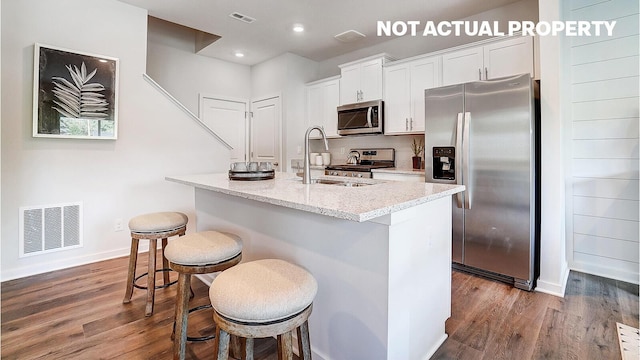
x=493 y=60
x=362 y=80
x=509 y=57
x=323 y=98
x=404 y=86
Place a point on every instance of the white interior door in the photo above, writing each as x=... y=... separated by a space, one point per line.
x=227 y=118
x=266 y=124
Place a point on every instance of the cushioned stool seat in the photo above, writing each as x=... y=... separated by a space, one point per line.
x=198 y=253
x=152 y=226
x=157 y=222
x=263 y=298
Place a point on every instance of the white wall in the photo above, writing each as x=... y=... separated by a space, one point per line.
x=113 y=179
x=603 y=206
x=286 y=75
x=173 y=63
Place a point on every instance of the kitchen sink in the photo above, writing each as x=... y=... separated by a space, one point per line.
x=338 y=182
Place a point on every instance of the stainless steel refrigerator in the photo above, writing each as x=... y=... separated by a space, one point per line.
x=484 y=135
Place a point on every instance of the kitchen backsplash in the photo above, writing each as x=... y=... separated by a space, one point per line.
x=402 y=144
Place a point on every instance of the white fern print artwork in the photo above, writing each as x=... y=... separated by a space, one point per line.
x=75 y=94
x=79 y=98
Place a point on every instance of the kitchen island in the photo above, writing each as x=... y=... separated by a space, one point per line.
x=381 y=254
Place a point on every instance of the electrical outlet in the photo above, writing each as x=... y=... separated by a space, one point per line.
x=299 y=150
x=118 y=225
x=341 y=150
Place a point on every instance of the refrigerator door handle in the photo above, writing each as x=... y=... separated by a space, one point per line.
x=458 y=174
x=465 y=161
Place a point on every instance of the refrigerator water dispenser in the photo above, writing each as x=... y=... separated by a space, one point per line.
x=444 y=162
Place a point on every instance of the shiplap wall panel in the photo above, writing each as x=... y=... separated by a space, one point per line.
x=606 y=227
x=603 y=70
x=605 y=109
x=606 y=208
x=606 y=188
x=606 y=168
x=607 y=247
x=606 y=89
x=605 y=95
x=605 y=50
x=605 y=148
x=605 y=129
x=576 y=5
x=623 y=27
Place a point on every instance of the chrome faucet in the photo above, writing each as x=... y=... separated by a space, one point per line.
x=306 y=173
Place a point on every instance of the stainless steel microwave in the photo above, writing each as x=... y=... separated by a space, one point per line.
x=360 y=118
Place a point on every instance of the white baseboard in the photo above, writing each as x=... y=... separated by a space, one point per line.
x=606 y=272
x=35 y=267
x=556 y=289
x=38 y=266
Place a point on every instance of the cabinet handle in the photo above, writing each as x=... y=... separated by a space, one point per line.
x=406 y=124
x=479 y=74
x=486 y=73
x=411 y=124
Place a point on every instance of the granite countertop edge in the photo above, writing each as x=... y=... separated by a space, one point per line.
x=358 y=204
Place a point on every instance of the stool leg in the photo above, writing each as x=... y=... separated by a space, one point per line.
x=221 y=344
x=182 y=312
x=248 y=348
x=304 y=344
x=165 y=262
x=285 y=346
x=151 y=277
x=133 y=258
x=241 y=348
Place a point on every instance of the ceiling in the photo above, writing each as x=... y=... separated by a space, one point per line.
x=271 y=33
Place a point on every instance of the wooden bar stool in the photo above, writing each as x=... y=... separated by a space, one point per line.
x=259 y=299
x=153 y=226
x=198 y=253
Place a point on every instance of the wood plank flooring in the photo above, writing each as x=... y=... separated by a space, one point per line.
x=491 y=320
x=77 y=313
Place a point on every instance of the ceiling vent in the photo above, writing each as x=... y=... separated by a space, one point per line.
x=242 y=17
x=349 y=36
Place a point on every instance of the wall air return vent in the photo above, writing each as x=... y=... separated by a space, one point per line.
x=48 y=228
x=242 y=17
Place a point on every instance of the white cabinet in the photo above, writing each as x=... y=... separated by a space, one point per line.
x=362 y=80
x=322 y=99
x=404 y=86
x=493 y=60
x=508 y=57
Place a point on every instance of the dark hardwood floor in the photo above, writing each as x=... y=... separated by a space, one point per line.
x=77 y=313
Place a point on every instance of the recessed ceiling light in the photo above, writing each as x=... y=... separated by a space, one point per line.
x=298 y=28
x=239 y=54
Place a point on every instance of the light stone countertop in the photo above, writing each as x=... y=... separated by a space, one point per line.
x=359 y=203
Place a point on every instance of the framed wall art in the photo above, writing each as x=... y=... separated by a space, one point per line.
x=75 y=94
